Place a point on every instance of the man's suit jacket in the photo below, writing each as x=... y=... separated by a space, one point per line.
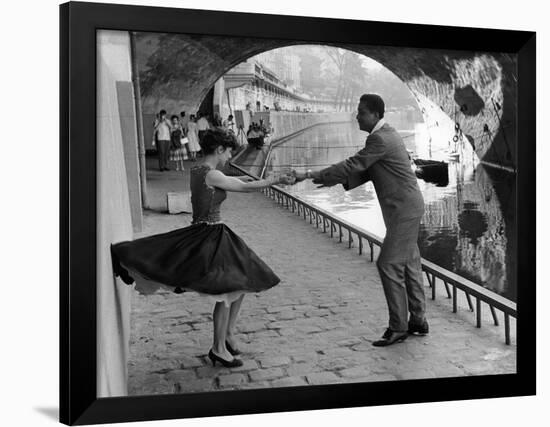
x=385 y=161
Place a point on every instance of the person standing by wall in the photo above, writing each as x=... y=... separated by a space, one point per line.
x=202 y=125
x=184 y=119
x=229 y=123
x=162 y=138
x=177 y=151
x=193 y=138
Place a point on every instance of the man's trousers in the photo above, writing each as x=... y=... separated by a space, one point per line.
x=163 y=148
x=400 y=270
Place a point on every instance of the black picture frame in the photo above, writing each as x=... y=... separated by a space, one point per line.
x=78 y=25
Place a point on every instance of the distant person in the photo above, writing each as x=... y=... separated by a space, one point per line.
x=184 y=119
x=202 y=125
x=217 y=120
x=154 y=140
x=229 y=124
x=258 y=106
x=385 y=161
x=162 y=138
x=255 y=136
x=177 y=150
x=193 y=138
x=206 y=257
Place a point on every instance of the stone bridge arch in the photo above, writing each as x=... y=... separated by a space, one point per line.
x=475 y=89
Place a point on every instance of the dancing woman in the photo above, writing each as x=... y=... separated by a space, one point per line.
x=206 y=257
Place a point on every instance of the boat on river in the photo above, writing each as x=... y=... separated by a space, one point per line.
x=434 y=171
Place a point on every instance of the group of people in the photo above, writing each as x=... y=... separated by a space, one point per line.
x=277 y=107
x=207 y=257
x=256 y=134
x=177 y=139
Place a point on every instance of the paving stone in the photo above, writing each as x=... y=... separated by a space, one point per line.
x=356 y=372
x=333 y=353
x=448 y=370
x=378 y=377
x=200 y=385
x=178 y=329
x=232 y=380
x=318 y=313
x=255 y=385
x=190 y=362
x=180 y=375
x=304 y=307
x=248 y=365
x=347 y=342
x=305 y=357
x=270 y=362
x=266 y=374
x=416 y=374
x=288 y=332
x=322 y=378
x=301 y=369
x=289 y=382
x=329 y=364
x=288 y=315
x=278 y=309
x=251 y=327
x=262 y=336
x=308 y=329
x=210 y=371
x=363 y=347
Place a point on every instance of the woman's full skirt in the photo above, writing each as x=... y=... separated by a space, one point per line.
x=206 y=258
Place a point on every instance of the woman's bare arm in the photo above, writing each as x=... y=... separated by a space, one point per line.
x=216 y=178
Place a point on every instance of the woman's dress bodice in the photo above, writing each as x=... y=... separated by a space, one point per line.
x=205 y=200
x=192 y=127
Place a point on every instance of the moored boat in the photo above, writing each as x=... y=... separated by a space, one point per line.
x=433 y=171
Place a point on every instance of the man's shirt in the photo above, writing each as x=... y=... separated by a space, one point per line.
x=163 y=131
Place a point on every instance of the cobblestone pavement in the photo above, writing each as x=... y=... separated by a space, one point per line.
x=315 y=327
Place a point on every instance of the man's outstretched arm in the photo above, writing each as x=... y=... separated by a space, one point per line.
x=351 y=172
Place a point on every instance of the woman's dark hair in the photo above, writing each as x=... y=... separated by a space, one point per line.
x=162 y=112
x=174 y=117
x=217 y=137
x=374 y=103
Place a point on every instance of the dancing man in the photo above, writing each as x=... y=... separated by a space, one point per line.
x=385 y=161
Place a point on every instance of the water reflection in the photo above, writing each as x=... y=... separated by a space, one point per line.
x=468 y=226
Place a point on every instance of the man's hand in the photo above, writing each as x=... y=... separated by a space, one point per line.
x=283 y=178
x=298 y=176
x=287 y=179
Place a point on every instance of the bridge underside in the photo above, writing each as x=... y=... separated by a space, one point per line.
x=476 y=89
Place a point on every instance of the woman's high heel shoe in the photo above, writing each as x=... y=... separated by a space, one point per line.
x=233 y=351
x=225 y=363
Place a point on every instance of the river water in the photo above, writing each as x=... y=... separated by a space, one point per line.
x=468 y=226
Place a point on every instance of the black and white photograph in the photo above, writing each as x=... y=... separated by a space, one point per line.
x=276 y=213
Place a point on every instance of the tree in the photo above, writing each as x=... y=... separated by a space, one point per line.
x=311 y=78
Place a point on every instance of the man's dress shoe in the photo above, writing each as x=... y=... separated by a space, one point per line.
x=390 y=337
x=419 y=328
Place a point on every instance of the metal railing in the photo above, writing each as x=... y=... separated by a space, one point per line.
x=452 y=282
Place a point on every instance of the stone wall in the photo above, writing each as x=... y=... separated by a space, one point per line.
x=116 y=163
x=287 y=123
